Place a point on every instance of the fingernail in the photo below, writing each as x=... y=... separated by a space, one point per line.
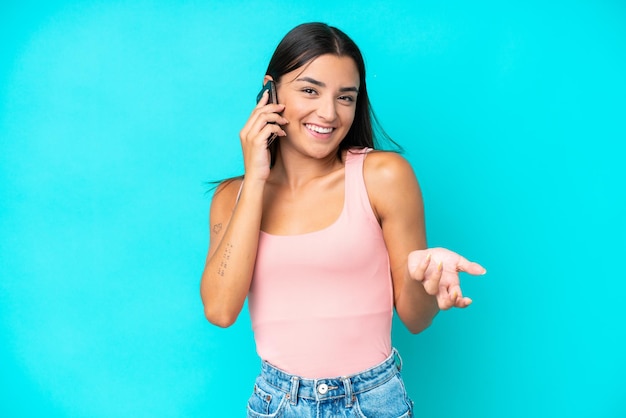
x=440 y=266
x=427 y=259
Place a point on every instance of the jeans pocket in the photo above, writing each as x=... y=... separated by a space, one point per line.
x=388 y=400
x=265 y=402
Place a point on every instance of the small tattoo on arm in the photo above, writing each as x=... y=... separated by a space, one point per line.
x=225 y=257
x=217 y=228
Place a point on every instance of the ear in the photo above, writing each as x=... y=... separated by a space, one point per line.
x=267 y=78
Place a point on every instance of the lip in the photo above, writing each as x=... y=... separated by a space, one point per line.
x=314 y=129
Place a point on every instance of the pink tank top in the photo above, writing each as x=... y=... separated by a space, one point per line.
x=321 y=303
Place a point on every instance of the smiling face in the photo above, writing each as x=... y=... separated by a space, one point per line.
x=320 y=103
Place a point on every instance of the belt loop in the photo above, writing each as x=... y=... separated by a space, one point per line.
x=397 y=359
x=347 y=385
x=293 y=395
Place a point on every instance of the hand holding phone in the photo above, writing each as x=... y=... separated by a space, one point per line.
x=270 y=86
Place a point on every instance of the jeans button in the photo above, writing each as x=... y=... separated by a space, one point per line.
x=322 y=389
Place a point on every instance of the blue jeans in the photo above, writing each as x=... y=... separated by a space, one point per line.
x=378 y=392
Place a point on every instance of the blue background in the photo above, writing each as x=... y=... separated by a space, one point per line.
x=114 y=114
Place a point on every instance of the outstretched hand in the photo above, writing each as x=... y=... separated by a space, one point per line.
x=438 y=270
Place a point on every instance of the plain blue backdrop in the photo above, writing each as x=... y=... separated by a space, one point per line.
x=113 y=115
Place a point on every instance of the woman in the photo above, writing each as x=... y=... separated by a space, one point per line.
x=325 y=236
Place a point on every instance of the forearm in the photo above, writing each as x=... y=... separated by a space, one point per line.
x=414 y=306
x=228 y=271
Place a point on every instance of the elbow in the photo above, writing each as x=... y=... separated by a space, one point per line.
x=217 y=311
x=417 y=325
x=221 y=307
x=220 y=318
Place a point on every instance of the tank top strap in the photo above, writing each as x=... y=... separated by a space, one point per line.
x=356 y=197
x=239 y=192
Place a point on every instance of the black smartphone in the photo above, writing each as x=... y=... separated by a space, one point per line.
x=270 y=86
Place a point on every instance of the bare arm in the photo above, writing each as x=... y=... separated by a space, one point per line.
x=232 y=251
x=235 y=224
x=425 y=280
x=397 y=201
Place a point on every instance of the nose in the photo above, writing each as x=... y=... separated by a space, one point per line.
x=327 y=108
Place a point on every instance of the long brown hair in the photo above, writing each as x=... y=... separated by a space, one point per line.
x=308 y=41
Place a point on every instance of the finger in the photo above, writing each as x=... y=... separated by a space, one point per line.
x=269 y=130
x=470 y=267
x=433 y=278
x=261 y=118
x=273 y=108
x=267 y=113
x=443 y=299
x=463 y=302
x=418 y=264
x=264 y=99
x=267 y=122
x=460 y=302
x=455 y=294
x=263 y=108
x=456 y=297
x=254 y=115
x=274 y=117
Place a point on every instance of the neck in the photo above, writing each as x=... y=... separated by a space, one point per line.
x=295 y=170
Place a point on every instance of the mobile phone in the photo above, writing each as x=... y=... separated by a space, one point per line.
x=270 y=86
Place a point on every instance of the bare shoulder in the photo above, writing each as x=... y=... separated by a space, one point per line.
x=224 y=201
x=387 y=169
x=226 y=193
x=222 y=205
x=390 y=182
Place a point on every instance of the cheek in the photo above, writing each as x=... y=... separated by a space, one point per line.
x=347 y=117
x=295 y=110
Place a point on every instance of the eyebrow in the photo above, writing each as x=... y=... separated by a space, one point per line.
x=321 y=84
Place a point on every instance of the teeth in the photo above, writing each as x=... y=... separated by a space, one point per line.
x=319 y=129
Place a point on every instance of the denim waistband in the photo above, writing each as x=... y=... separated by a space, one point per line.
x=331 y=388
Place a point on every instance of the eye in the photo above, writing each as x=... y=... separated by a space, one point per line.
x=309 y=91
x=347 y=99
